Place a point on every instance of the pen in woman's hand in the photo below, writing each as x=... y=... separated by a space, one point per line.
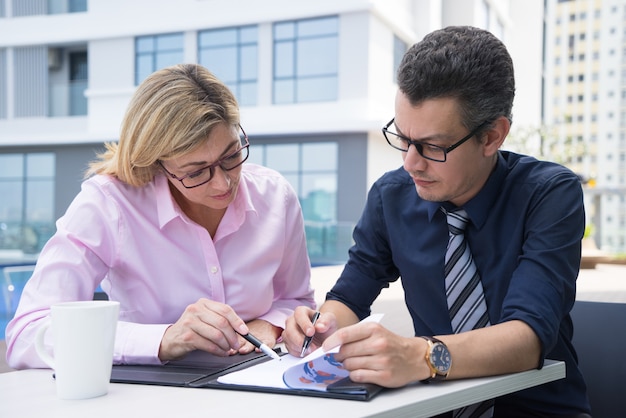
x=260 y=345
x=307 y=340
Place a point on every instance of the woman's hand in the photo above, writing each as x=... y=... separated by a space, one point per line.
x=264 y=331
x=205 y=325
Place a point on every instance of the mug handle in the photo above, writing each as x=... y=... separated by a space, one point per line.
x=39 y=345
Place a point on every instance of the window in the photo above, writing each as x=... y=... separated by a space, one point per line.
x=3 y=84
x=26 y=220
x=78 y=83
x=66 y=6
x=67 y=83
x=78 y=6
x=155 y=52
x=311 y=168
x=399 y=48
x=306 y=60
x=231 y=54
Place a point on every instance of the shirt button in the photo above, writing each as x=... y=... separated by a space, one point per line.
x=213 y=270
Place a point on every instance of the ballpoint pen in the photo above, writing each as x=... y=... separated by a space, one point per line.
x=260 y=345
x=307 y=340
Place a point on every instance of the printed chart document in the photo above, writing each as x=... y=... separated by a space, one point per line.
x=318 y=371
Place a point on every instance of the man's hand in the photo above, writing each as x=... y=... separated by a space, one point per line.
x=299 y=325
x=373 y=354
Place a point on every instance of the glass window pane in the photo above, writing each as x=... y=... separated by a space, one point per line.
x=248 y=34
x=319 y=156
x=144 y=67
x=39 y=201
x=10 y=209
x=319 y=197
x=317 y=56
x=11 y=166
x=222 y=62
x=26 y=216
x=315 y=182
x=282 y=157
x=317 y=89
x=257 y=154
x=284 y=30
x=77 y=6
x=144 y=44
x=40 y=165
x=249 y=61
x=218 y=37
x=165 y=59
x=284 y=59
x=284 y=91
x=318 y=27
x=247 y=94
x=171 y=41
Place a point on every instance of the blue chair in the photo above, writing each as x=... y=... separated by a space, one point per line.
x=600 y=341
x=14 y=279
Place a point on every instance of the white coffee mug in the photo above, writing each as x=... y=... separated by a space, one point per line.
x=83 y=335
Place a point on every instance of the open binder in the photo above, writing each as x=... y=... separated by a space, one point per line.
x=202 y=370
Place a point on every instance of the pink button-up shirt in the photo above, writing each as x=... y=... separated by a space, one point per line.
x=148 y=255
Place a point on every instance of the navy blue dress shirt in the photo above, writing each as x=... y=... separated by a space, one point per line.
x=525 y=229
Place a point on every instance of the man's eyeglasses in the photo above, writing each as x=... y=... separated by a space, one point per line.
x=429 y=151
x=205 y=174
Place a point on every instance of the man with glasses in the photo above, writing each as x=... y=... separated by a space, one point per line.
x=198 y=247
x=486 y=242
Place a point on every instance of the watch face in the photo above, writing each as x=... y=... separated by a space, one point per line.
x=440 y=358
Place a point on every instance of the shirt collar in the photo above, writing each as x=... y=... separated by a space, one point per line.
x=478 y=207
x=168 y=209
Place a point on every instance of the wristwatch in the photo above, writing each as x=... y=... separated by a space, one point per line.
x=438 y=359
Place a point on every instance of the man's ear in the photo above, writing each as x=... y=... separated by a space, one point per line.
x=494 y=137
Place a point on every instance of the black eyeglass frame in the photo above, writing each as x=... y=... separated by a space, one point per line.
x=211 y=167
x=419 y=145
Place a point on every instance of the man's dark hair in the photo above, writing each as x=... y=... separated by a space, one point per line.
x=462 y=62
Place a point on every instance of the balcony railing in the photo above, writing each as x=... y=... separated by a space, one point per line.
x=328 y=242
x=606 y=220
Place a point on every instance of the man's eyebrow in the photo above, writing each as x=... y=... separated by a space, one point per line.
x=436 y=137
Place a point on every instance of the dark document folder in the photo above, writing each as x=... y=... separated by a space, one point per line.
x=201 y=370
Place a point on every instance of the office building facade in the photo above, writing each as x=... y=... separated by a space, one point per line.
x=315 y=82
x=585 y=106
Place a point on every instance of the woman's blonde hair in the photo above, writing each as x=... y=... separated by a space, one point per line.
x=171 y=113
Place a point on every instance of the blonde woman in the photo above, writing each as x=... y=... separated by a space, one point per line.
x=195 y=245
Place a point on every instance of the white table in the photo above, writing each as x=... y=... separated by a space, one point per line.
x=31 y=393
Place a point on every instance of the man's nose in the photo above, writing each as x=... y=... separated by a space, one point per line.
x=413 y=160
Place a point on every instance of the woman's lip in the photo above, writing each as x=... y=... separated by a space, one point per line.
x=223 y=196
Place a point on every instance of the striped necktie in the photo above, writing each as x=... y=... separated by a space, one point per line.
x=464 y=292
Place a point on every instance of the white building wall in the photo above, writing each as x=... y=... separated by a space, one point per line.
x=367 y=88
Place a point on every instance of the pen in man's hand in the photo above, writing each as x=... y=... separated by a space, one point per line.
x=260 y=345
x=307 y=340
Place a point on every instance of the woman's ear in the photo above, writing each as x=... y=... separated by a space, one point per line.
x=495 y=136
